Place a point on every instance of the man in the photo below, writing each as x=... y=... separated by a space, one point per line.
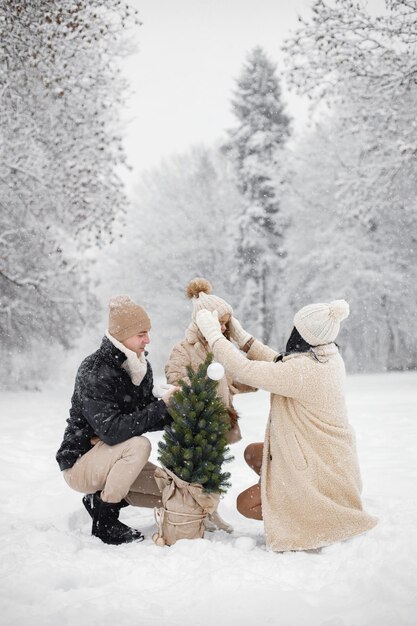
x=104 y=453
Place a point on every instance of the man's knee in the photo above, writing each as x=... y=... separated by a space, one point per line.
x=141 y=445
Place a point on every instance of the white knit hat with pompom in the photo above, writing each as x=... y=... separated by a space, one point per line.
x=319 y=323
x=199 y=290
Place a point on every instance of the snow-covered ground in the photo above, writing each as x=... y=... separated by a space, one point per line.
x=54 y=573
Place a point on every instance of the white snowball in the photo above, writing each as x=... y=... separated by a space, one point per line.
x=215 y=371
x=246 y=544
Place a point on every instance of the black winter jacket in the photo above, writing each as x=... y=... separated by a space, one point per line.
x=106 y=403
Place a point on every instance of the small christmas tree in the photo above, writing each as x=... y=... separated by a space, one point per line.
x=194 y=445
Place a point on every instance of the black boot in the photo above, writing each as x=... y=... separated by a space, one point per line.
x=88 y=502
x=106 y=525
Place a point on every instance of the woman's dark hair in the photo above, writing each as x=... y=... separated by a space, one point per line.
x=295 y=343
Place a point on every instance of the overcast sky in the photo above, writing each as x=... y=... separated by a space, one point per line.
x=190 y=53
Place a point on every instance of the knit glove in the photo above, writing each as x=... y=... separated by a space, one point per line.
x=160 y=390
x=240 y=336
x=209 y=325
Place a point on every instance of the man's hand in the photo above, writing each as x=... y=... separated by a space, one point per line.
x=238 y=334
x=160 y=390
x=168 y=395
x=209 y=325
x=94 y=440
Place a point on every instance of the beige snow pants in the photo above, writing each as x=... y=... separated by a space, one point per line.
x=119 y=471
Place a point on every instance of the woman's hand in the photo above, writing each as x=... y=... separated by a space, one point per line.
x=209 y=326
x=237 y=333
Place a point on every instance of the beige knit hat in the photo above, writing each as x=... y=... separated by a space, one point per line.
x=199 y=291
x=127 y=318
x=319 y=323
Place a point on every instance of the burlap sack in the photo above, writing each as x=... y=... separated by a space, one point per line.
x=185 y=505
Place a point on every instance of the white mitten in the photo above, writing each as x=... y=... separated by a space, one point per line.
x=209 y=325
x=237 y=333
x=160 y=390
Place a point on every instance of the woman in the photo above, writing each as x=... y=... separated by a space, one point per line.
x=309 y=493
x=193 y=350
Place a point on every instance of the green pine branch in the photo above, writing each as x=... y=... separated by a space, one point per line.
x=194 y=445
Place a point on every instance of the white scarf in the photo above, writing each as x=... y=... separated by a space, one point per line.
x=136 y=366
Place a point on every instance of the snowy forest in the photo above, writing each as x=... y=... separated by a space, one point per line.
x=273 y=219
x=292 y=180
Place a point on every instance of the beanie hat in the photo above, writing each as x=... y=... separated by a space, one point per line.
x=127 y=318
x=319 y=323
x=199 y=291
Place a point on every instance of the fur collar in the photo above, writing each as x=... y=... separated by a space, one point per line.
x=326 y=349
x=135 y=366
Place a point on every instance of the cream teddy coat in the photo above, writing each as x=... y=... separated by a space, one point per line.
x=310 y=481
x=193 y=351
